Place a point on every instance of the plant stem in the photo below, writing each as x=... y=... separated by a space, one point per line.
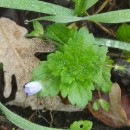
x=102 y=7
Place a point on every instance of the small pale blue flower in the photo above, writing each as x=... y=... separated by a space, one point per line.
x=33 y=87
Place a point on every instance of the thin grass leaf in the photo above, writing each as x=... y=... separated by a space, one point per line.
x=59 y=19
x=113 y=43
x=36 y=6
x=110 y=17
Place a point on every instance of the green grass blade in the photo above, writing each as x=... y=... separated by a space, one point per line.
x=113 y=43
x=110 y=17
x=59 y=19
x=36 y=6
x=64 y=15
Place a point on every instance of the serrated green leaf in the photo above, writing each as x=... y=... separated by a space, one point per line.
x=65 y=89
x=102 y=78
x=59 y=33
x=55 y=63
x=66 y=77
x=78 y=95
x=106 y=83
x=50 y=87
x=80 y=36
x=123 y=33
x=40 y=72
x=102 y=52
x=81 y=125
x=97 y=78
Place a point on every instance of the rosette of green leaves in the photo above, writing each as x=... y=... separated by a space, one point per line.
x=76 y=70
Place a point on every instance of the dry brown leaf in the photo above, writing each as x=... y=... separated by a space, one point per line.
x=116 y=106
x=119 y=112
x=17 y=56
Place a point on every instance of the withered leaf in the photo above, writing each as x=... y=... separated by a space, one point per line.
x=119 y=112
x=116 y=106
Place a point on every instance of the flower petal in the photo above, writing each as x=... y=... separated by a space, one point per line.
x=33 y=87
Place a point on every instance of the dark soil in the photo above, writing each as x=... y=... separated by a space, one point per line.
x=55 y=118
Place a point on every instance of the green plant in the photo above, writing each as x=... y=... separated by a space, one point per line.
x=79 y=65
x=75 y=70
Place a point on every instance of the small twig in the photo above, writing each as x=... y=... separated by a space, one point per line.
x=110 y=32
x=39 y=115
x=51 y=118
x=117 y=55
x=99 y=93
x=30 y=118
x=105 y=29
x=113 y=5
x=102 y=6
